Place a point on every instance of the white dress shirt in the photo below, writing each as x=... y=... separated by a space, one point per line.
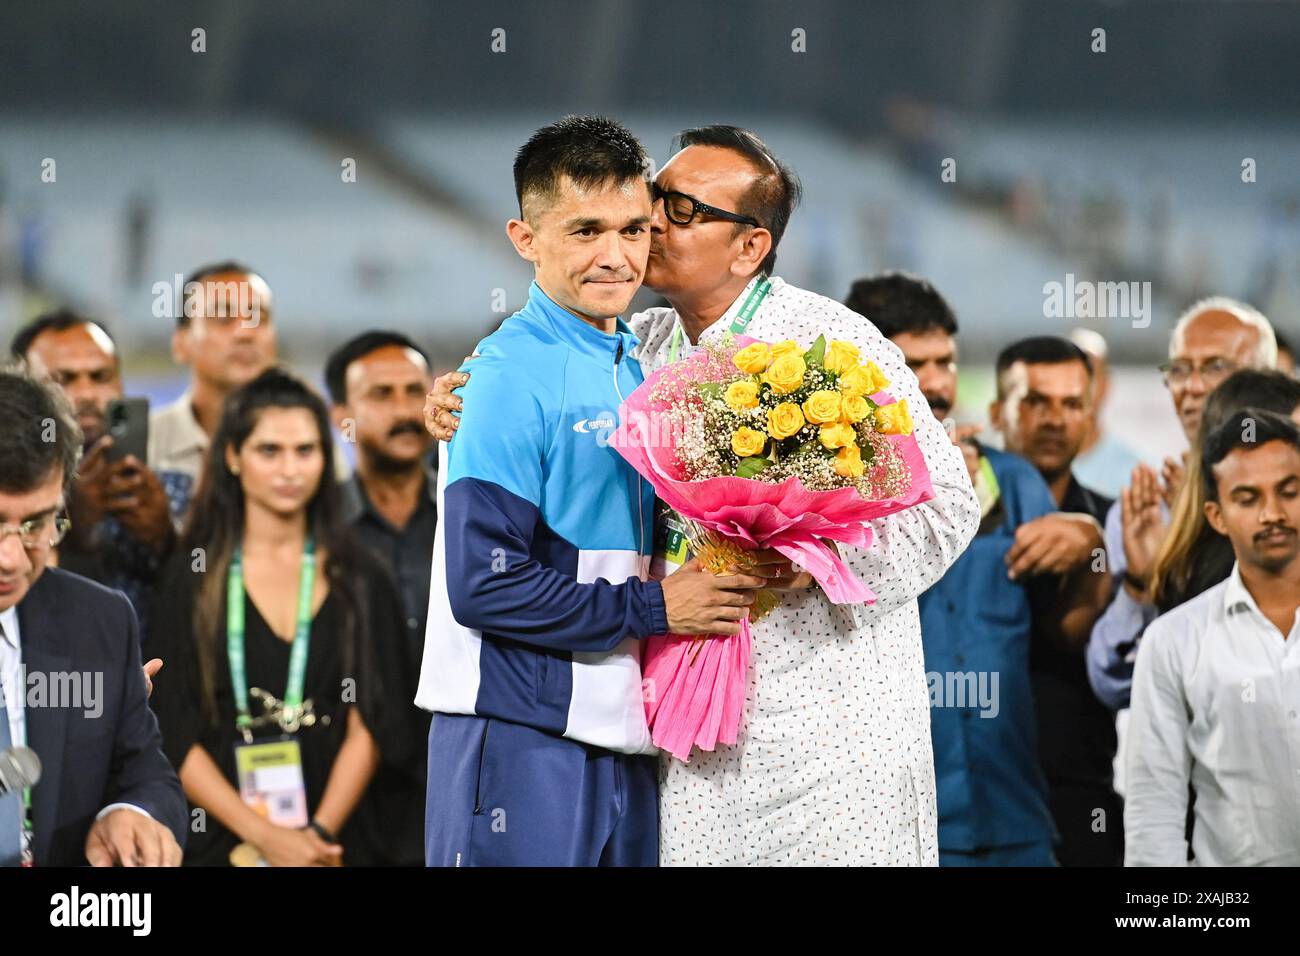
x=14 y=686
x=834 y=764
x=1215 y=703
x=11 y=667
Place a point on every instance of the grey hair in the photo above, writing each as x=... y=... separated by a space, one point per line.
x=1266 y=344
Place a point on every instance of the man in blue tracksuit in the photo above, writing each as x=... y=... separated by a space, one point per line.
x=538 y=749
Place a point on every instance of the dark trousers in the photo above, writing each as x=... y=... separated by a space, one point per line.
x=1019 y=854
x=1090 y=822
x=502 y=794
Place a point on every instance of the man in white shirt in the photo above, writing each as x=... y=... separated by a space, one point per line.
x=1211 y=340
x=1216 y=687
x=224 y=333
x=834 y=765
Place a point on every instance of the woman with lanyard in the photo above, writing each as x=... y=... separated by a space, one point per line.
x=281 y=639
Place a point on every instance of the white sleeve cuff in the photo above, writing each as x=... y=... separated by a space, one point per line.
x=121 y=806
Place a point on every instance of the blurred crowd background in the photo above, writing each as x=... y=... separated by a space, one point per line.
x=1122 y=165
x=358 y=164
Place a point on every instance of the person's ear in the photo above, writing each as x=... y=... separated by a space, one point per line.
x=1100 y=386
x=181 y=345
x=995 y=414
x=524 y=238
x=755 y=244
x=232 y=460
x=1214 y=515
x=339 y=415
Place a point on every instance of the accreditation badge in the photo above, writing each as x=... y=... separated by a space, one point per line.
x=671 y=549
x=271 y=781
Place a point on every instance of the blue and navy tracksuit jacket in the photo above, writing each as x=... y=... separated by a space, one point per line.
x=539 y=594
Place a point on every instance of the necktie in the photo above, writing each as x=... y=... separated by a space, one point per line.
x=11 y=804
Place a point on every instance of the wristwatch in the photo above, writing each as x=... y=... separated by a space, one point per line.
x=321 y=832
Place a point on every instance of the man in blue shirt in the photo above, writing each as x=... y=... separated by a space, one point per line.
x=539 y=753
x=977 y=621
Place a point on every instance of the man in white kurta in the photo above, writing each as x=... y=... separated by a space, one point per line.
x=834 y=762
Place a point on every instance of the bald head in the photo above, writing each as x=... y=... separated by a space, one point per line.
x=1240 y=333
x=1211 y=340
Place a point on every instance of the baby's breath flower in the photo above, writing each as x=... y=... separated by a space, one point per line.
x=703 y=425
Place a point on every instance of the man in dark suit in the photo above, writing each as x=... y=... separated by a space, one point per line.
x=73 y=690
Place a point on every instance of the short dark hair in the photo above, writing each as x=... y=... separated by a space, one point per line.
x=1231 y=434
x=59 y=320
x=205 y=272
x=590 y=150
x=38 y=431
x=217 y=521
x=775 y=191
x=1040 y=350
x=336 y=367
x=1268 y=389
x=896 y=302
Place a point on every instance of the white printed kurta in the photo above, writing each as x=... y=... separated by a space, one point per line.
x=834 y=763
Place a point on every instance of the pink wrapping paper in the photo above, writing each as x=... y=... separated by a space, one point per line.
x=700 y=704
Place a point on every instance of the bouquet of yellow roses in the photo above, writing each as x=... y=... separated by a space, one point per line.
x=759 y=445
x=786 y=412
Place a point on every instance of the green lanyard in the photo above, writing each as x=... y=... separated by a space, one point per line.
x=301 y=640
x=739 y=323
x=27 y=838
x=986 y=487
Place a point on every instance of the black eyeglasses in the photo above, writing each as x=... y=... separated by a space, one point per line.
x=682 y=209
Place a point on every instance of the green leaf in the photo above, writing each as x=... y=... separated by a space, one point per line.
x=816 y=354
x=750 y=467
x=710 y=390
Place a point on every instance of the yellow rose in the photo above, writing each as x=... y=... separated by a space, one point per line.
x=878 y=380
x=746 y=442
x=863 y=380
x=855 y=407
x=840 y=357
x=784 y=420
x=753 y=358
x=786 y=347
x=854 y=381
x=742 y=395
x=785 y=374
x=894 y=419
x=822 y=407
x=848 y=463
x=838 y=435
